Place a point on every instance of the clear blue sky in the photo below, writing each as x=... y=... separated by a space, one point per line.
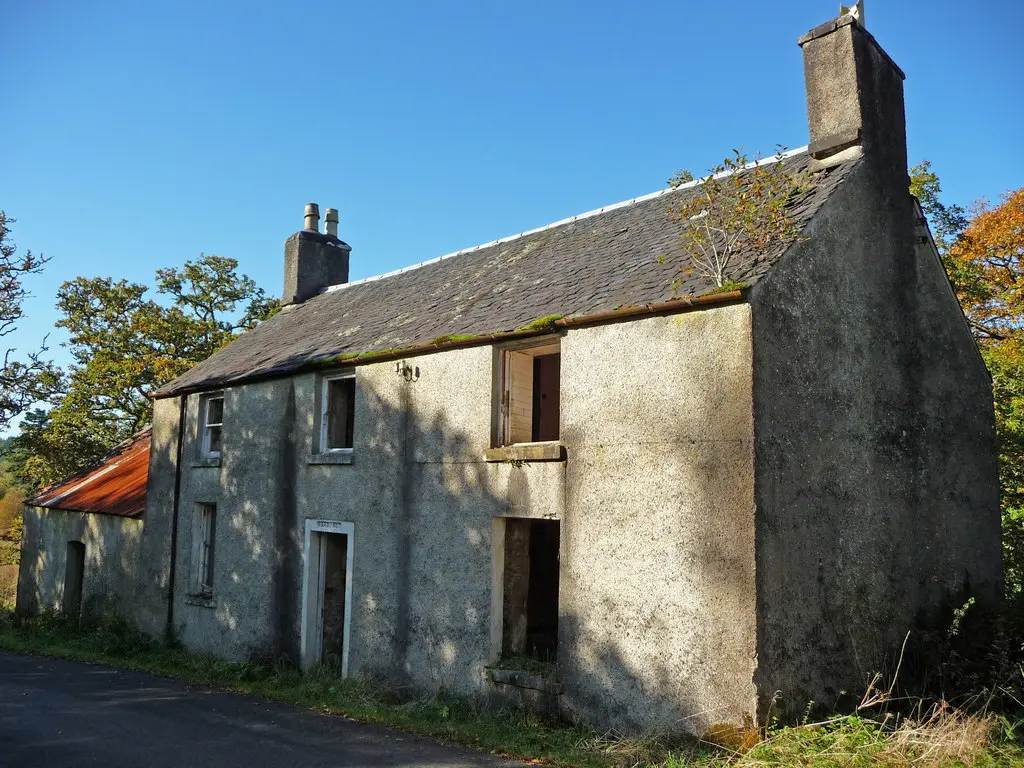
x=138 y=134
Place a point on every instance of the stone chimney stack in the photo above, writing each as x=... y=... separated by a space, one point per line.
x=314 y=260
x=854 y=96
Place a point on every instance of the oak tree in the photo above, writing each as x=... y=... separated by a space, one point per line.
x=125 y=343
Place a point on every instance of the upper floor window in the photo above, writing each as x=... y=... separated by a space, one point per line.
x=211 y=413
x=337 y=413
x=530 y=384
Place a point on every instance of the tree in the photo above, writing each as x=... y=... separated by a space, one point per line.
x=947 y=221
x=22 y=382
x=124 y=345
x=736 y=216
x=983 y=253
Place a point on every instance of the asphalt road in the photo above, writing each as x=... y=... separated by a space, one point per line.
x=60 y=713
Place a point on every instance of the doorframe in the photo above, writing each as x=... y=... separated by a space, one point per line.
x=311 y=641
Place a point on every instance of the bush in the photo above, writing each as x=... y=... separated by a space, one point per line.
x=8 y=586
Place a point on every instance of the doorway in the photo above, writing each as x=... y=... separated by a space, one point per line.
x=327 y=594
x=331 y=597
x=529 y=588
x=74 y=571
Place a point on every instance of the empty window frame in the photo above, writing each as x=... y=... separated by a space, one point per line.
x=530 y=387
x=211 y=414
x=205 y=548
x=337 y=413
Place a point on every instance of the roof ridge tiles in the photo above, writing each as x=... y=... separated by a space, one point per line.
x=570 y=220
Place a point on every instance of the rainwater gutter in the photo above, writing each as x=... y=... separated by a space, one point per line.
x=169 y=629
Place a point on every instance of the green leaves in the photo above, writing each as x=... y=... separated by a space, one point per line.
x=736 y=216
x=24 y=381
x=124 y=344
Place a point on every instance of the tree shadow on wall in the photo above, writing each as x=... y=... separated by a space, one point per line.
x=422 y=501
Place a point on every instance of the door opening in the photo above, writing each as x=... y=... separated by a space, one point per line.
x=331 y=600
x=327 y=594
x=530 y=588
x=74 y=571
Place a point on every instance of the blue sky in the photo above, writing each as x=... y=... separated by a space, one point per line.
x=137 y=135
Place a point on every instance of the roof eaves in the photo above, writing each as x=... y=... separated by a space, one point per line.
x=672 y=306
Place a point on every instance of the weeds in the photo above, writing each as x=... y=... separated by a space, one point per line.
x=8 y=586
x=896 y=735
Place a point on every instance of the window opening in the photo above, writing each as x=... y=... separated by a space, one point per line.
x=530 y=595
x=530 y=394
x=213 y=423
x=337 y=415
x=206 y=537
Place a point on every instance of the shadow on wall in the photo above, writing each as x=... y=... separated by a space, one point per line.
x=422 y=501
x=111 y=565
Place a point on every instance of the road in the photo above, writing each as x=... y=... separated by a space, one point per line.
x=60 y=713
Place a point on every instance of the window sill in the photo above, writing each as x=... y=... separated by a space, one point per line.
x=552 y=450
x=202 y=601
x=206 y=461
x=334 y=457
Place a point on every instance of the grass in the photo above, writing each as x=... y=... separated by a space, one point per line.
x=929 y=738
x=531 y=665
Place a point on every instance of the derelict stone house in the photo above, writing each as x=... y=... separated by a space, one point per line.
x=690 y=501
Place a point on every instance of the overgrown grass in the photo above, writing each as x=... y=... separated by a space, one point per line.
x=933 y=737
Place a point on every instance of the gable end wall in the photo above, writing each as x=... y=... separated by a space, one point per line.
x=876 y=476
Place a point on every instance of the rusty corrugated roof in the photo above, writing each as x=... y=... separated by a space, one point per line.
x=116 y=485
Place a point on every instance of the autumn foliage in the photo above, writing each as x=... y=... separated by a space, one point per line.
x=987 y=265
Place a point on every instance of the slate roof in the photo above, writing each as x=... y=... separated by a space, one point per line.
x=591 y=263
x=115 y=485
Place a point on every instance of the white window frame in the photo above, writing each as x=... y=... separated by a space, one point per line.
x=324 y=403
x=205 y=423
x=204 y=544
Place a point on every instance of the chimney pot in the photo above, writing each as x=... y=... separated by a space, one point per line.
x=312 y=217
x=331 y=221
x=313 y=260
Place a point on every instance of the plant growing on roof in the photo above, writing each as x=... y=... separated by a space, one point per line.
x=735 y=216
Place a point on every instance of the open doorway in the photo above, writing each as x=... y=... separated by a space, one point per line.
x=529 y=587
x=74 y=572
x=327 y=594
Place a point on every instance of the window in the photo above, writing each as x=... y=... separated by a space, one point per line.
x=205 y=548
x=337 y=411
x=211 y=410
x=529 y=394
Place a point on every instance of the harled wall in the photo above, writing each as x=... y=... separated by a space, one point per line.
x=655 y=503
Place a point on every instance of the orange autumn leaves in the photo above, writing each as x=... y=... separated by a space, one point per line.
x=986 y=264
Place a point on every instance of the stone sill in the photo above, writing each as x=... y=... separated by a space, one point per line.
x=202 y=601
x=207 y=461
x=334 y=457
x=525 y=680
x=552 y=450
